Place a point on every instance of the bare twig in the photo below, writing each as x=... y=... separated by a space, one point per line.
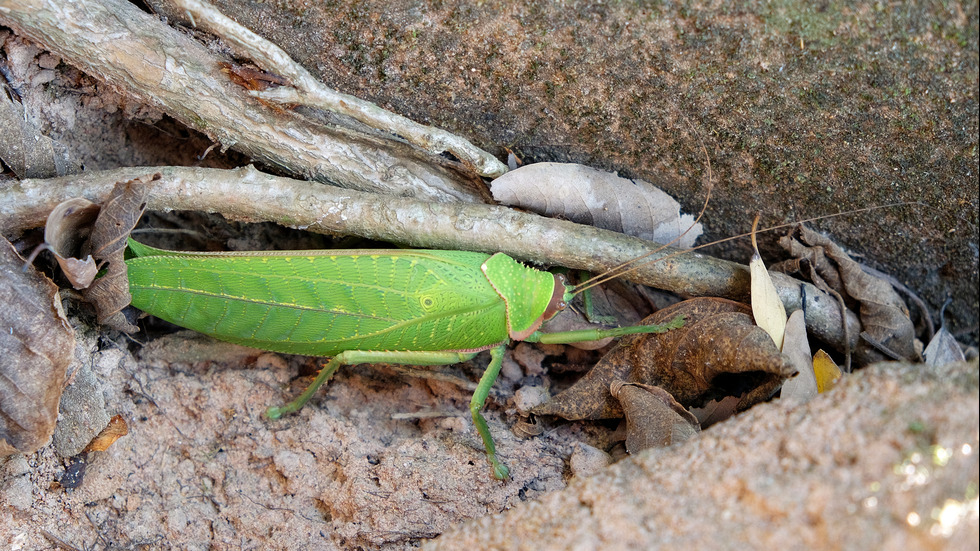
x=118 y=43
x=307 y=90
x=248 y=195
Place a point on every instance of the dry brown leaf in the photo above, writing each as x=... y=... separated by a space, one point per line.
x=719 y=351
x=116 y=429
x=888 y=331
x=27 y=152
x=653 y=418
x=36 y=345
x=110 y=293
x=602 y=199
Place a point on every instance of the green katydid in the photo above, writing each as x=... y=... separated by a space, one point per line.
x=413 y=307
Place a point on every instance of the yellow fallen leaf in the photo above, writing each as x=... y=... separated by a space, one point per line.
x=826 y=371
x=767 y=308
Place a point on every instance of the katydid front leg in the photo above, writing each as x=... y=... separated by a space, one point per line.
x=583 y=335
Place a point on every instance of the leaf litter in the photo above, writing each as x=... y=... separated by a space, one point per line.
x=888 y=332
x=86 y=238
x=638 y=391
x=39 y=344
x=654 y=419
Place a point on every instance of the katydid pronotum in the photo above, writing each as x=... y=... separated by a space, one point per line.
x=412 y=307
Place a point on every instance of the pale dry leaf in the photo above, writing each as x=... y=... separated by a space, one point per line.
x=943 y=349
x=803 y=387
x=602 y=199
x=767 y=308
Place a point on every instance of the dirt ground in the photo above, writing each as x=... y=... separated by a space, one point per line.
x=804 y=110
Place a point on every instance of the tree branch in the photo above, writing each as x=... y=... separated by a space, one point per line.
x=116 y=42
x=248 y=195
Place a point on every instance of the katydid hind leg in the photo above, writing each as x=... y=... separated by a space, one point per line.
x=325 y=373
x=353 y=357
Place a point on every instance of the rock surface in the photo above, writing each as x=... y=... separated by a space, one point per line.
x=888 y=460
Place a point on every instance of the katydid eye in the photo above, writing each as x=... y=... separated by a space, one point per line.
x=427 y=303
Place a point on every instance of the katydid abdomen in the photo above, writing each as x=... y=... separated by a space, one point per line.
x=397 y=306
x=323 y=304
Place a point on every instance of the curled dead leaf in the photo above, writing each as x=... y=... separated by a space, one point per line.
x=66 y=232
x=653 y=418
x=110 y=293
x=719 y=351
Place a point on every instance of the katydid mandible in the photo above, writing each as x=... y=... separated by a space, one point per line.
x=410 y=307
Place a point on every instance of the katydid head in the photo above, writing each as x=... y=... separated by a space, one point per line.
x=560 y=298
